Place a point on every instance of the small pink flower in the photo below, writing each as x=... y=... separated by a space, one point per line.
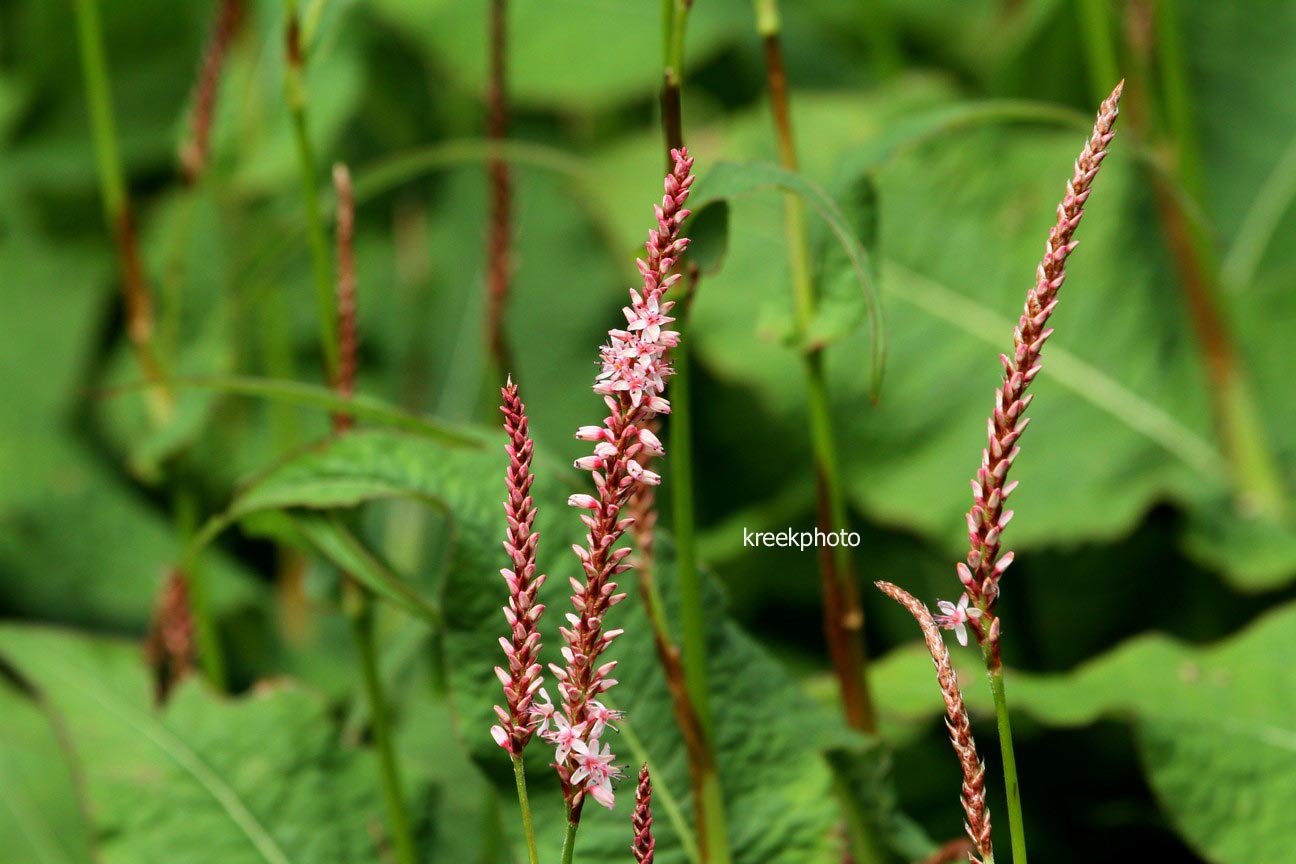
x=543 y=712
x=601 y=717
x=956 y=617
x=565 y=737
x=584 y=502
x=594 y=769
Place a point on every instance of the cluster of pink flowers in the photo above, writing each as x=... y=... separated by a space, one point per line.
x=631 y=381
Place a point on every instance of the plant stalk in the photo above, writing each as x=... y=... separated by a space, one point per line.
x=1016 y=827
x=569 y=842
x=118 y=214
x=524 y=802
x=295 y=92
x=686 y=667
x=498 y=261
x=361 y=611
x=1244 y=439
x=843 y=614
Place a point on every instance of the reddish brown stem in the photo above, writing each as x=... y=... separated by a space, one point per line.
x=501 y=193
x=195 y=151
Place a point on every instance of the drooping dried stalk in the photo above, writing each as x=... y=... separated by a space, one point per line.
x=170 y=645
x=196 y=149
x=642 y=819
x=347 y=329
x=987 y=519
x=522 y=648
x=956 y=720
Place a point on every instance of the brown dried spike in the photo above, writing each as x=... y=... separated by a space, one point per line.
x=348 y=338
x=642 y=819
x=170 y=644
x=195 y=151
x=956 y=720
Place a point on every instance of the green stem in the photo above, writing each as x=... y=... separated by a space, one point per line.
x=843 y=614
x=1100 y=52
x=360 y=602
x=210 y=655
x=569 y=843
x=295 y=91
x=1178 y=96
x=115 y=197
x=94 y=66
x=519 y=775
x=1015 y=825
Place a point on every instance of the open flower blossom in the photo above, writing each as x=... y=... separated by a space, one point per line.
x=595 y=770
x=956 y=617
x=632 y=380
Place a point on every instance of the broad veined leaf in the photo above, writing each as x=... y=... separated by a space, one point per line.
x=1214 y=725
x=41 y=818
x=770 y=736
x=261 y=779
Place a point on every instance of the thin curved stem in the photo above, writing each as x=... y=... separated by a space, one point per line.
x=317 y=239
x=524 y=802
x=1016 y=827
x=362 y=628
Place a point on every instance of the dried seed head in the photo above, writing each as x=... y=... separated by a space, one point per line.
x=642 y=820
x=956 y=720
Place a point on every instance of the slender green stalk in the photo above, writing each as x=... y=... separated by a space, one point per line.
x=691 y=696
x=569 y=843
x=118 y=216
x=1100 y=52
x=94 y=66
x=880 y=32
x=843 y=614
x=524 y=802
x=362 y=627
x=295 y=91
x=1244 y=439
x=1016 y=827
x=1178 y=96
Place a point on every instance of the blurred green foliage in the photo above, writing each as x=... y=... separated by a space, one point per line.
x=937 y=136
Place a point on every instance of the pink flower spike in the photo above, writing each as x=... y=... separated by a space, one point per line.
x=522 y=646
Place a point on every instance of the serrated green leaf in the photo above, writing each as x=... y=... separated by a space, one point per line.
x=262 y=779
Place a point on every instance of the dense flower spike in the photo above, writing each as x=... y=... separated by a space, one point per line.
x=522 y=679
x=956 y=719
x=642 y=819
x=988 y=518
x=632 y=380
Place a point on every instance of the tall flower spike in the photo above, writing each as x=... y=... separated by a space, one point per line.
x=987 y=518
x=522 y=647
x=956 y=720
x=642 y=819
x=631 y=381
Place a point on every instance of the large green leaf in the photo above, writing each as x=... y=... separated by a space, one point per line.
x=769 y=737
x=263 y=778
x=1214 y=725
x=41 y=821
